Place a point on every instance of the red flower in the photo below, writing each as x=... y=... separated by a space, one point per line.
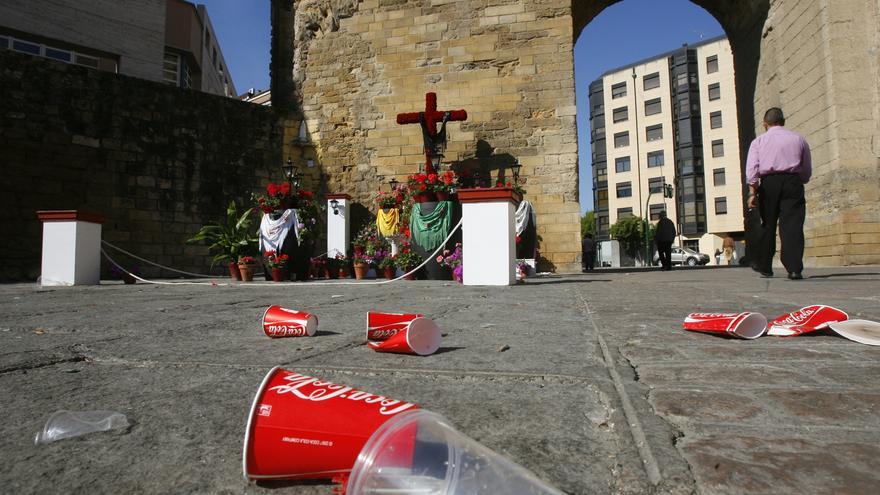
x=508 y=184
x=421 y=178
x=432 y=178
x=499 y=184
x=422 y=187
x=285 y=189
x=272 y=189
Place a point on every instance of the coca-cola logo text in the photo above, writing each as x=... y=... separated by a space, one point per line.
x=382 y=334
x=286 y=330
x=313 y=389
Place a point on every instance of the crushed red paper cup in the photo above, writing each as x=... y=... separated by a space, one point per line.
x=861 y=331
x=420 y=336
x=282 y=322
x=301 y=427
x=744 y=325
x=805 y=320
x=383 y=326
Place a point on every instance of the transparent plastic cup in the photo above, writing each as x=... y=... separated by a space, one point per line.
x=420 y=452
x=67 y=424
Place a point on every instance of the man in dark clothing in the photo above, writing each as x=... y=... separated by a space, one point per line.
x=777 y=167
x=664 y=235
x=588 y=252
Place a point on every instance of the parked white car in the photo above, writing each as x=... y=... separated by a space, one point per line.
x=685 y=256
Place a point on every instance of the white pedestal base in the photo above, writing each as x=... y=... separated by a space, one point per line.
x=338 y=225
x=71 y=248
x=488 y=240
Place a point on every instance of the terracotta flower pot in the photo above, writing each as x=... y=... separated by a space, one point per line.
x=360 y=270
x=331 y=272
x=390 y=272
x=279 y=273
x=234 y=273
x=247 y=272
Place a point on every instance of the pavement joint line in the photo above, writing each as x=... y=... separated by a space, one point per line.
x=761 y=427
x=829 y=388
x=632 y=418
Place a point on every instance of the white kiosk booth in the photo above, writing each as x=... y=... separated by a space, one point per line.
x=489 y=235
x=71 y=247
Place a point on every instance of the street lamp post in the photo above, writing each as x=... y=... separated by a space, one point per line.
x=647 y=225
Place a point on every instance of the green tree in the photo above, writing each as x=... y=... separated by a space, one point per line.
x=588 y=224
x=630 y=233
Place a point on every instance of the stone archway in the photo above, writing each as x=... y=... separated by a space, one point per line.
x=355 y=64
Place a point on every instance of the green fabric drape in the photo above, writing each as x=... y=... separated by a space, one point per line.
x=429 y=230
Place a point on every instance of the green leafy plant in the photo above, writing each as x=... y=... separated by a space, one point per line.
x=630 y=233
x=231 y=238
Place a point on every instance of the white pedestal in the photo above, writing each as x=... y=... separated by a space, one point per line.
x=488 y=236
x=71 y=247
x=338 y=225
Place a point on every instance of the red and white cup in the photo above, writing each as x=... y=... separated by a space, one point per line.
x=402 y=333
x=805 y=320
x=383 y=326
x=301 y=427
x=744 y=325
x=282 y=322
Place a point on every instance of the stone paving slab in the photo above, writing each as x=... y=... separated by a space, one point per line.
x=589 y=380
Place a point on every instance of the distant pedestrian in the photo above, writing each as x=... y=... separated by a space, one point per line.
x=664 y=235
x=588 y=252
x=777 y=167
x=717 y=256
x=728 y=256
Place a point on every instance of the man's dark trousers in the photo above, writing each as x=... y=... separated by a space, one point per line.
x=781 y=200
x=664 y=252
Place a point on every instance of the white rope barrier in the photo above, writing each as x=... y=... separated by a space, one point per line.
x=262 y=284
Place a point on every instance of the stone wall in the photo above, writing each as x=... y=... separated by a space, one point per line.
x=819 y=63
x=509 y=64
x=158 y=161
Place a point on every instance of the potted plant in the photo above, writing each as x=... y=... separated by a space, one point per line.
x=453 y=260
x=277 y=263
x=335 y=264
x=277 y=199
x=407 y=260
x=230 y=238
x=388 y=266
x=361 y=264
x=247 y=265
x=444 y=185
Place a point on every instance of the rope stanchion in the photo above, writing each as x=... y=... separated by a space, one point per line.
x=259 y=284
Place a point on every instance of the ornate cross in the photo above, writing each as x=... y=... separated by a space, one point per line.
x=429 y=119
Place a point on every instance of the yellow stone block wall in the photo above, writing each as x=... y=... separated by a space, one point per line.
x=508 y=64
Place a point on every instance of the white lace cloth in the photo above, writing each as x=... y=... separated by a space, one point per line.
x=523 y=214
x=273 y=232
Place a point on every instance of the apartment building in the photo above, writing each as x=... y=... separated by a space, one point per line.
x=169 y=41
x=669 y=121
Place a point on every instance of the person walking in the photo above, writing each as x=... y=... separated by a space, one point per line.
x=729 y=255
x=777 y=167
x=664 y=235
x=588 y=252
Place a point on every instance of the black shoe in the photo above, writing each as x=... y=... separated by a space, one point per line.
x=795 y=276
x=767 y=274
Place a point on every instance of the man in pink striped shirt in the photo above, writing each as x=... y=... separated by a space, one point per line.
x=777 y=167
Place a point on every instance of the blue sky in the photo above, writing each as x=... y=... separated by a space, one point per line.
x=627 y=31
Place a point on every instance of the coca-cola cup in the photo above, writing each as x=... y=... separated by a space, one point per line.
x=301 y=427
x=744 y=325
x=383 y=326
x=421 y=337
x=805 y=320
x=421 y=452
x=282 y=322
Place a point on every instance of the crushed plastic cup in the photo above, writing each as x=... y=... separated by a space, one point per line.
x=67 y=424
x=420 y=452
x=805 y=320
x=743 y=325
x=282 y=322
x=302 y=427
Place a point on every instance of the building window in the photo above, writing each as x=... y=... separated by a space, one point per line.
x=87 y=61
x=652 y=107
x=621 y=139
x=655 y=184
x=618 y=90
x=624 y=189
x=712 y=64
x=624 y=212
x=654 y=132
x=718 y=148
x=651 y=81
x=721 y=206
x=622 y=164
x=601 y=174
x=714 y=91
x=171 y=68
x=715 y=119
x=62 y=55
x=718 y=177
x=655 y=210
x=602 y=199
x=620 y=114
x=655 y=158
x=25 y=47
x=4 y=42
